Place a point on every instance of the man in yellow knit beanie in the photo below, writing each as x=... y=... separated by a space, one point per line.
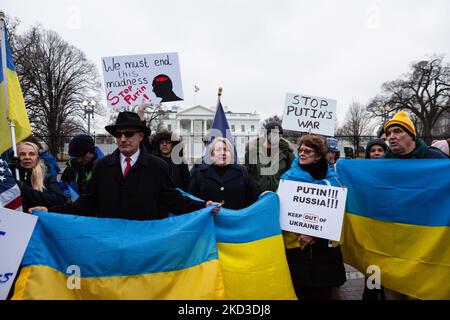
x=403 y=143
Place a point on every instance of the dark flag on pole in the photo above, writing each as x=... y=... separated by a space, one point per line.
x=220 y=127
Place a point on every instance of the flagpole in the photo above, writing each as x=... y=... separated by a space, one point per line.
x=5 y=80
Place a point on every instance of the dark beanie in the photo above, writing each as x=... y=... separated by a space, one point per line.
x=80 y=145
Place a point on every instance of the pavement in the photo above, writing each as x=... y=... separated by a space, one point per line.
x=353 y=287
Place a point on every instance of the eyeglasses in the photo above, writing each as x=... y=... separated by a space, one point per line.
x=127 y=134
x=305 y=151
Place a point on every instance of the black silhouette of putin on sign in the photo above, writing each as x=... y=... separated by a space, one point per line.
x=162 y=87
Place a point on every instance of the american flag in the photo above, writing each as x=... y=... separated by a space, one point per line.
x=9 y=191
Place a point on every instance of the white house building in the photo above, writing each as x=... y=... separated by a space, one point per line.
x=194 y=123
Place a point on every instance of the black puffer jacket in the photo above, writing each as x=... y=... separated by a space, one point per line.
x=52 y=196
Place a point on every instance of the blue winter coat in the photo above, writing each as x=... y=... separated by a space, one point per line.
x=317 y=265
x=295 y=173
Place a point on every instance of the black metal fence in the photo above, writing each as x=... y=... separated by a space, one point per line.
x=194 y=146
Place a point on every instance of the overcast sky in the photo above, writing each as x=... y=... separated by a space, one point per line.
x=257 y=50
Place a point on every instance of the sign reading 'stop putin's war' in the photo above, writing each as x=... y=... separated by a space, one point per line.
x=154 y=78
x=306 y=113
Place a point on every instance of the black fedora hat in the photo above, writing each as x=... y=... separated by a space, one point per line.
x=127 y=119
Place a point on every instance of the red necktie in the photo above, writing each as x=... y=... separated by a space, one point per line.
x=128 y=167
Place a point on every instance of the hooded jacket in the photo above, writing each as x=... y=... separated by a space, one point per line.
x=76 y=177
x=178 y=172
x=257 y=161
x=375 y=142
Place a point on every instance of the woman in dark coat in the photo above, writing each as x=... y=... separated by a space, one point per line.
x=162 y=145
x=223 y=181
x=316 y=265
x=38 y=187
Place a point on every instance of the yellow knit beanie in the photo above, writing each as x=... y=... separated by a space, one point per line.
x=401 y=119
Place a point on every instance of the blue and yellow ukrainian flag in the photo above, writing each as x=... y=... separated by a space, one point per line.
x=251 y=252
x=174 y=258
x=16 y=105
x=73 y=194
x=398 y=218
x=237 y=255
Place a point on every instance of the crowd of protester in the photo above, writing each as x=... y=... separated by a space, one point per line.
x=142 y=180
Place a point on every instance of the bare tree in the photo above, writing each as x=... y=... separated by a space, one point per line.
x=424 y=92
x=357 y=124
x=55 y=77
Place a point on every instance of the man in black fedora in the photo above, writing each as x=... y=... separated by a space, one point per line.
x=130 y=183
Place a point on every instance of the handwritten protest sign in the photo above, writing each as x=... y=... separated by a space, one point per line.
x=315 y=210
x=130 y=79
x=15 y=233
x=305 y=113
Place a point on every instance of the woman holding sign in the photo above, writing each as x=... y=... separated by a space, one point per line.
x=316 y=266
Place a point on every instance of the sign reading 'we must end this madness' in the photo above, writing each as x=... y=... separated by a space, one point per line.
x=305 y=113
x=154 y=78
x=312 y=209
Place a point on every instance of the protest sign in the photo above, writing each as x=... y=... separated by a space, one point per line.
x=130 y=79
x=312 y=209
x=15 y=232
x=305 y=113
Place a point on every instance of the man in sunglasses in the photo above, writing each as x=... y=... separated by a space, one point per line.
x=130 y=183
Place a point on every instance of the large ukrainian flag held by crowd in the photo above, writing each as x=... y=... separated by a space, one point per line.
x=251 y=252
x=398 y=218
x=174 y=258
x=16 y=110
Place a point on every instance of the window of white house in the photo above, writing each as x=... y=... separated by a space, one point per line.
x=253 y=128
x=233 y=128
x=169 y=127
x=243 y=128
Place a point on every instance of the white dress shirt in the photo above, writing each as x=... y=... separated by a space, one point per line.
x=123 y=160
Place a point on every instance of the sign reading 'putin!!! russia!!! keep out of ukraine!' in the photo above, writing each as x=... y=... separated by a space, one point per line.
x=306 y=113
x=312 y=209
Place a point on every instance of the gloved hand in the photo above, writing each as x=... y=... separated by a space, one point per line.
x=14 y=163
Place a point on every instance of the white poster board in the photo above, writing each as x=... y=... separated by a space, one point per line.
x=305 y=113
x=312 y=209
x=16 y=229
x=130 y=79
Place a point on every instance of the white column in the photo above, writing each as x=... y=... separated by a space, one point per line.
x=192 y=127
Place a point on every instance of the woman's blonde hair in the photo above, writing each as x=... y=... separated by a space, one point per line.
x=227 y=143
x=39 y=170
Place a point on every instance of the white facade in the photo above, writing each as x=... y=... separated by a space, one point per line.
x=194 y=123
